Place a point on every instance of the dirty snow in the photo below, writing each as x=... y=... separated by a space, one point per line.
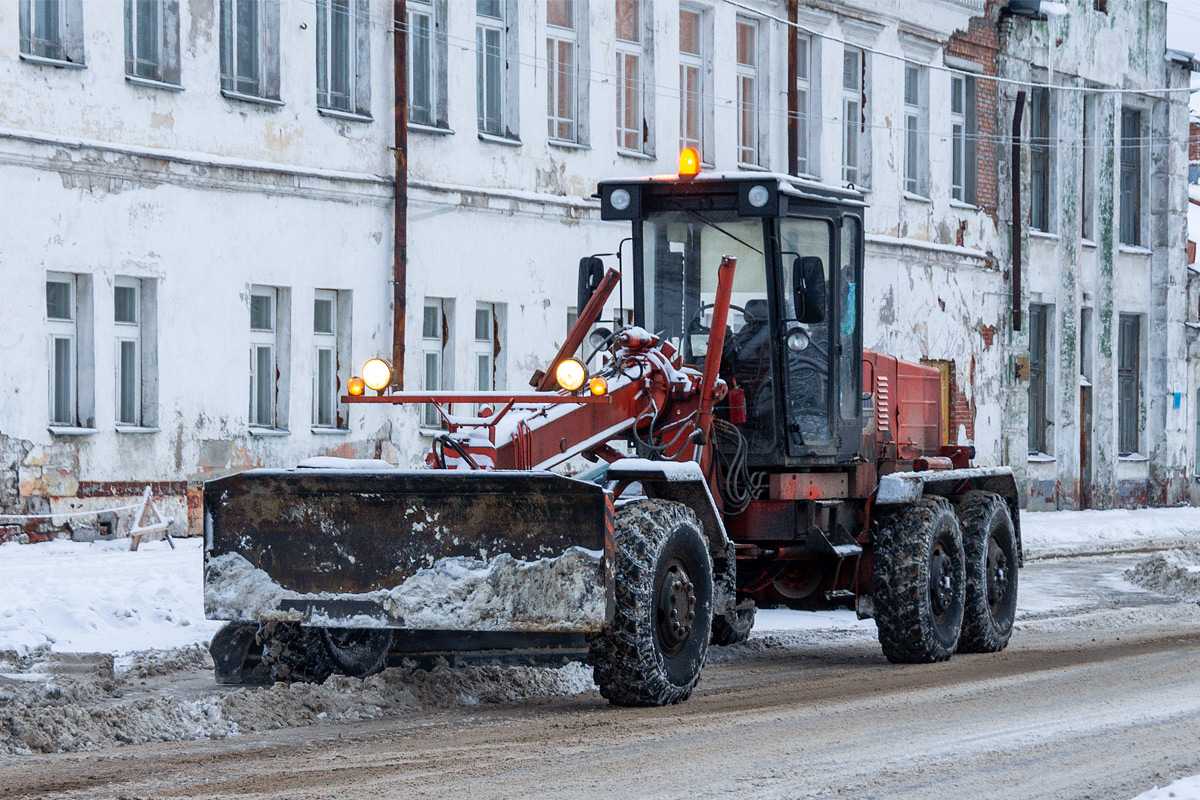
x=1171 y=572
x=101 y=597
x=1182 y=789
x=458 y=593
x=332 y=462
x=97 y=706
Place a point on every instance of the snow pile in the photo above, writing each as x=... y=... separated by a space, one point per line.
x=1171 y=572
x=1182 y=789
x=1065 y=533
x=457 y=593
x=100 y=597
x=45 y=712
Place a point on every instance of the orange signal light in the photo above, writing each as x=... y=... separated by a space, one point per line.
x=355 y=386
x=689 y=163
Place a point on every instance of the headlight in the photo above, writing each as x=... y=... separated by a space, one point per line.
x=354 y=386
x=797 y=340
x=377 y=374
x=758 y=196
x=619 y=199
x=570 y=374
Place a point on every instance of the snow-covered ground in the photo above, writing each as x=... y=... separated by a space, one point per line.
x=1182 y=789
x=101 y=597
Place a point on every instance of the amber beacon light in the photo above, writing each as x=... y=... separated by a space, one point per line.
x=689 y=162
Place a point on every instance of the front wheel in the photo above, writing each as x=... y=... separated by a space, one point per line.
x=920 y=582
x=652 y=651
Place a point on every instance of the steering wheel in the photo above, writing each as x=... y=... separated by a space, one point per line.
x=696 y=324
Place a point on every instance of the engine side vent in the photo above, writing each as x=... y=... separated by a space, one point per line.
x=882 y=404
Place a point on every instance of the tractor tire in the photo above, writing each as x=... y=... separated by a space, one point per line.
x=920 y=582
x=296 y=654
x=357 y=652
x=652 y=651
x=724 y=634
x=990 y=542
x=236 y=651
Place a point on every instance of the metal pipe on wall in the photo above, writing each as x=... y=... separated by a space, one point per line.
x=400 y=241
x=1016 y=210
x=793 y=93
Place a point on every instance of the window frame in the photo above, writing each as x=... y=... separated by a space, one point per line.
x=440 y=347
x=134 y=27
x=915 y=100
x=855 y=135
x=1131 y=228
x=1038 y=411
x=125 y=332
x=751 y=80
x=640 y=51
x=1129 y=384
x=63 y=329
x=507 y=88
x=327 y=341
x=700 y=98
x=264 y=338
x=1041 y=160
x=808 y=88
x=571 y=127
x=263 y=86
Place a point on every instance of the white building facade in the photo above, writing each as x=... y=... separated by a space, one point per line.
x=197 y=244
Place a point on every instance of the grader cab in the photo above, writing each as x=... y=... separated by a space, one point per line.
x=731 y=448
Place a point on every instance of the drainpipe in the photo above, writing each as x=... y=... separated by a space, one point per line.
x=1016 y=211
x=400 y=243
x=793 y=94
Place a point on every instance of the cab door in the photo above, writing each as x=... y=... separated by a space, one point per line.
x=848 y=336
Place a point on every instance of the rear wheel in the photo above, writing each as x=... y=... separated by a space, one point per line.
x=990 y=542
x=296 y=653
x=357 y=652
x=652 y=651
x=725 y=634
x=920 y=582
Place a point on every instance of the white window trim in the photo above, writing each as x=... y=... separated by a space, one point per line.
x=556 y=36
x=421 y=9
x=326 y=341
x=133 y=23
x=501 y=27
x=440 y=345
x=700 y=63
x=853 y=166
x=128 y=332
x=916 y=127
x=60 y=328
x=958 y=140
x=754 y=153
x=259 y=338
x=325 y=48
x=642 y=50
x=808 y=88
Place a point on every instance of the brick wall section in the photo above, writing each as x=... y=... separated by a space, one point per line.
x=1194 y=142
x=980 y=44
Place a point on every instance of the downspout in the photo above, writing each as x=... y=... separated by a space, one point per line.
x=1016 y=210
x=793 y=93
x=400 y=243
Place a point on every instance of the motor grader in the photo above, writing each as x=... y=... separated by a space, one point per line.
x=731 y=446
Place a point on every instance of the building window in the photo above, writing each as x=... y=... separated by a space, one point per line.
x=250 y=48
x=61 y=318
x=807 y=123
x=634 y=101
x=693 y=95
x=268 y=358
x=964 y=148
x=1087 y=168
x=1040 y=152
x=565 y=53
x=331 y=332
x=1131 y=177
x=1129 y=383
x=495 y=69
x=427 y=94
x=343 y=56
x=1038 y=351
x=488 y=347
x=436 y=349
x=916 y=146
x=52 y=29
x=749 y=93
x=152 y=40
x=134 y=326
x=855 y=137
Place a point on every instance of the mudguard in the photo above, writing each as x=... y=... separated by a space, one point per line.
x=418 y=549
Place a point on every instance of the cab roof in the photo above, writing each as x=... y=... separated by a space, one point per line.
x=724 y=181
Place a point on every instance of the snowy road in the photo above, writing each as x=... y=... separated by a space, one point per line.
x=1098 y=696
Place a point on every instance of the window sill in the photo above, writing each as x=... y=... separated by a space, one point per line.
x=349 y=116
x=962 y=204
x=136 y=429
x=269 y=431
x=1134 y=458
x=1086 y=242
x=635 y=154
x=417 y=127
x=1041 y=458
x=330 y=431
x=918 y=198
x=494 y=139
x=752 y=167
x=1135 y=250
x=563 y=144
x=50 y=62
x=249 y=98
x=69 y=430
x=431 y=431
x=1050 y=237
x=150 y=83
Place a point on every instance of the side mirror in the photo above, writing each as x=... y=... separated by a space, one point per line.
x=591 y=272
x=808 y=286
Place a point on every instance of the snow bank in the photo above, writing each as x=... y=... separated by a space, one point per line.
x=100 y=597
x=1172 y=572
x=1182 y=789
x=1065 y=533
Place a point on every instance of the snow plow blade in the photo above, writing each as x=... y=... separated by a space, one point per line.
x=413 y=549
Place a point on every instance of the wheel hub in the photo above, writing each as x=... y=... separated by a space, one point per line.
x=941 y=585
x=998 y=575
x=675 y=607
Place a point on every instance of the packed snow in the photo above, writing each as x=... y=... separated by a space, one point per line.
x=1171 y=572
x=1069 y=533
x=1182 y=789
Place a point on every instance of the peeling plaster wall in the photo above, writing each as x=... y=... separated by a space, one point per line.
x=1124 y=48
